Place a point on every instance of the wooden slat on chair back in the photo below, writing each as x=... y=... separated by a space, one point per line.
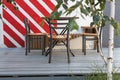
x=90 y=30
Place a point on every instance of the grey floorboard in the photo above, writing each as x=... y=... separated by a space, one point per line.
x=13 y=62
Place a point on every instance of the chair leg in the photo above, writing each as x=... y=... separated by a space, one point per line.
x=47 y=52
x=68 y=51
x=69 y=48
x=42 y=44
x=84 y=46
x=26 y=49
x=50 y=55
x=95 y=45
x=71 y=52
x=50 y=50
x=68 y=55
x=44 y=41
x=83 y=43
x=26 y=46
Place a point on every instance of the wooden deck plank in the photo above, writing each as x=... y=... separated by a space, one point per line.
x=14 y=62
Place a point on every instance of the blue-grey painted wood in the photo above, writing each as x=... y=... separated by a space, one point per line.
x=13 y=62
x=45 y=78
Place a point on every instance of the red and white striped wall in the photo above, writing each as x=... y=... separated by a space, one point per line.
x=12 y=31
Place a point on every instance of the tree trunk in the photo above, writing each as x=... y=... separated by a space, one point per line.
x=111 y=43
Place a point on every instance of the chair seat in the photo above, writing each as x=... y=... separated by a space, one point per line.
x=90 y=34
x=37 y=34
x=59 y=37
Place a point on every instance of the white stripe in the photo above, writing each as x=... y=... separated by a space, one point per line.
x=33 y=8
x=45 y=5
x=1 y=29
x=15 y=17
x=12 y=27
x=54 y=2
x=31 y=19
x=11 y=39
x=4 y=46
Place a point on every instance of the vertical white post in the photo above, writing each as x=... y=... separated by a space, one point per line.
x=111 y=43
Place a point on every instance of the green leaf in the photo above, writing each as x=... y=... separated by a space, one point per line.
x=65 y=6
x=96 y=18
x=72 y=8
x=84 y=11
x=59 y=1
x=42 y=22
x=15 y=7
x=103 y=23
x=102 y=6
x=57 y=7
x=117 y=30
x=66 y=1
x=72 y=0
x=92 y=23
x=56 y=15
x=92 y=2
x=113 y=23
x=10 y=1
x=72 y=24
x=106 y=18
x=86 y=1
x=88 y=9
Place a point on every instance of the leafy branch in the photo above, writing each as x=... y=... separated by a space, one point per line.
x=93 y=8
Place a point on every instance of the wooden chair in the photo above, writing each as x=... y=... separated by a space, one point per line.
x=33 y=41
x=59 y=32
x=91 y=34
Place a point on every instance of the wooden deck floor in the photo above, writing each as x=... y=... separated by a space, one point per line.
x=13 y=62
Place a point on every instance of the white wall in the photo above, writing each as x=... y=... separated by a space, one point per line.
x=1 y=30
x=76 y=43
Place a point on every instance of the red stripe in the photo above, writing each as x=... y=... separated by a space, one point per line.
x=8 y=43
x=11 y=20
x=16 y=24
x=32 y=13
x=34 y=29
x=40 y=7
x=13 y=35
x=20 y=16
x=16 y=12
x=50 y=4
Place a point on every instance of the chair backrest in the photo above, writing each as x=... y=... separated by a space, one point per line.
x=90 y=30
x=58 y=26
x=94 y=29
x=27 y=25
